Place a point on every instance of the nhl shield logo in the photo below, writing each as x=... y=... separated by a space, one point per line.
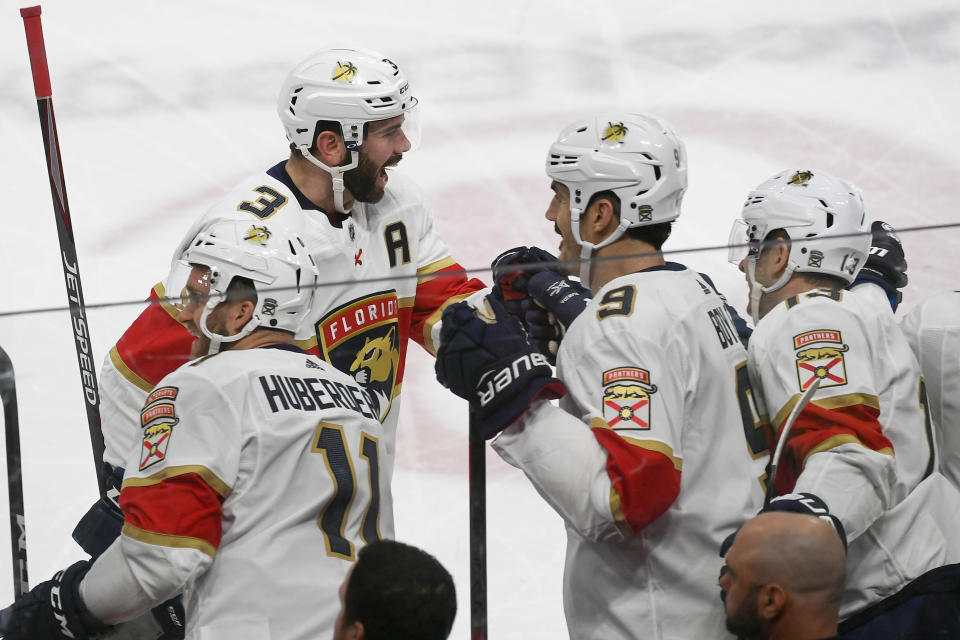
x=361 y=338
x=626 y=398
x=820 y=356
x=158 y=417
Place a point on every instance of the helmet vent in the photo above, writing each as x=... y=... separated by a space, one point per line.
x=298 y=279
x=380 y=103
x=641 y=192
x=556 y=159
x=829 y=219
x=581 y=129
x=373 y=82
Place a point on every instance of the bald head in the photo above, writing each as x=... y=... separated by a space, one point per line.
x=800 y=552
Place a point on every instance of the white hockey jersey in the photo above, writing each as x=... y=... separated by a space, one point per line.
x=656 y=454
x=865 y=442
x=932 y=329
x=385 y=277
x=256 y=480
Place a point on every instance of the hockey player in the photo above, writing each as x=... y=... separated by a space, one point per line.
x=349 y=116
x=258 y=475
x=656 y=452
x=932 y=329
x=864 y=444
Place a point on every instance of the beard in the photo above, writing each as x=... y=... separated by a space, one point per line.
x=362 y=180
x=744 y=621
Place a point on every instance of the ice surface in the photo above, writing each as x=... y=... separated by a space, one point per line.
x=163 y=105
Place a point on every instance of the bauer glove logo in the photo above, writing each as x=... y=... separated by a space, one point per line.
x=494 y=381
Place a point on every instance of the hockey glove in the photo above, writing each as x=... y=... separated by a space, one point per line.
x=492 y=367
x=809 y=504
x=511 y=270
x=886 y=265
x=555 y=302
x=101 y=525
x=163 y=622
x=53 y=610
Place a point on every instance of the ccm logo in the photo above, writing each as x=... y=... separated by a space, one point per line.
x=493 y=382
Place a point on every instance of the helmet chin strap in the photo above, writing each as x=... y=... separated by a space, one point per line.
x=215 y=338
x=757 y=290
x=587 y=248
x=336 y=175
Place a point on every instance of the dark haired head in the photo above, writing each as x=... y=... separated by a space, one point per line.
x=399 y=592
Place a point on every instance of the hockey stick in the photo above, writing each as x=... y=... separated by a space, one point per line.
x=68 y=248
x=478 y=535
x=784 y=435
x=11 y=425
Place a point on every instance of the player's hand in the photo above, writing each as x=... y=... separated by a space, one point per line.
x=886 y=264
x=490 y=365
x=53 y=610
x=511 y=271
x=163 y=622
x=555 y=302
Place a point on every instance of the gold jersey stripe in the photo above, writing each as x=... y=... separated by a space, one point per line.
x=649 y=445
x=833 y=402
x=434 y=318
x=406 y=303
x=165 y=540
x=428 y=273
x=836 y=441
x=214 y=482
x=127 y=372
x=616 y=508
x=165 y=305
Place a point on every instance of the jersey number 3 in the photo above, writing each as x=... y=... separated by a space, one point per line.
x=329 y=441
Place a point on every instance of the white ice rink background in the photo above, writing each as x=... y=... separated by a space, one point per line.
x=161 y=106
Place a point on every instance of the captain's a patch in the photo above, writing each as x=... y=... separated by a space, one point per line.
x=820 y=356
x=626 y=398
x=158 y=417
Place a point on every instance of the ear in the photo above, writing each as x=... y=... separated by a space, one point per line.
x=330 y=148
x=602 y=218
x=355 y=631
x=238 y=315
x=779 y=256
x=771 y=601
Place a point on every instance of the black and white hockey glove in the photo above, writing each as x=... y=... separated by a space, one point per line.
x=52 y=610
x=808 y=504
x=490 y=365
x=555 y=302
x=886 y=264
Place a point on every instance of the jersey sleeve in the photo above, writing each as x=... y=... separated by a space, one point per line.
x=440 y=283
x=615 y=468
x=175 y=483
x=155 y=345
x=837 y=440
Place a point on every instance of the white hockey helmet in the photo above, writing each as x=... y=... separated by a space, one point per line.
x=273 y=257
x=824 y=217
x=351 y=87
x=636 y=156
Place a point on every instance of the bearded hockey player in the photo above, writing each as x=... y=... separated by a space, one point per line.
x=349 y=116
x=864 y=444
x=655 y=454
x=259 y=472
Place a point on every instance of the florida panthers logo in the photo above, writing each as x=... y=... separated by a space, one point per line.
x=626 y=398
x=361 y=338
x=800 y=177
x=257 y=234
x=820 y=356
x=344 y=72
x=616 y=131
